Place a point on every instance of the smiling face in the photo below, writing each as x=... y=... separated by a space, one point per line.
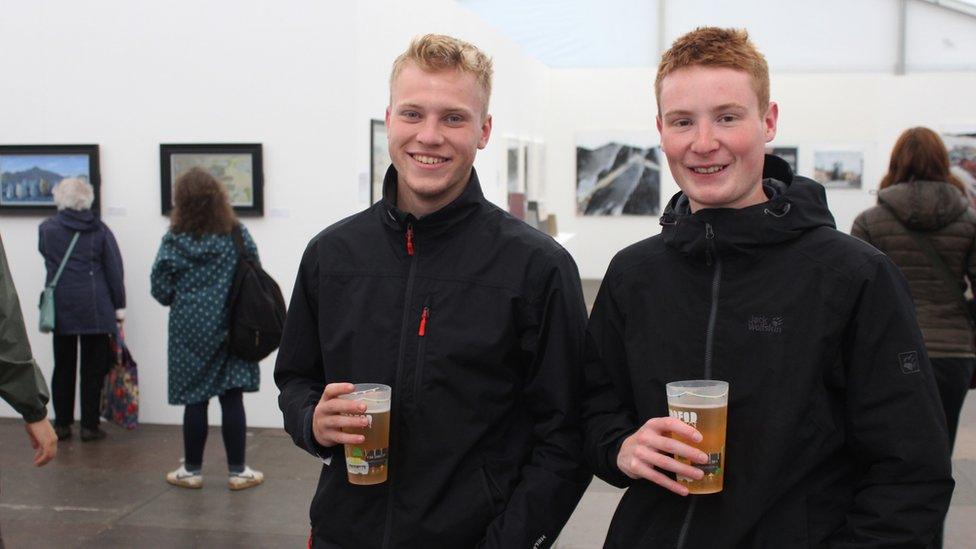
x=714 y=135
x=435 y=125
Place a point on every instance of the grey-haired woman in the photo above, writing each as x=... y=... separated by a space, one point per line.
x=89 y=300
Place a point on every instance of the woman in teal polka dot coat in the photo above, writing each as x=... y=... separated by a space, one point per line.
x=192 y=274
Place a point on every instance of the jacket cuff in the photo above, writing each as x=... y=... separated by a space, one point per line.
x=35 y=415
x=311 y=445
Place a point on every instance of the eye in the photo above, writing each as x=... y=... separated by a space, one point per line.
x=727 y=118
x=681 y=122
x=454 y=119
x=410 y=115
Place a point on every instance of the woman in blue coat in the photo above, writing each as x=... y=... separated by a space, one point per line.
x=192 y=274
x=89 y=299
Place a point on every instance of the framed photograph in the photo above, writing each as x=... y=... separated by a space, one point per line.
x=239 y=166
x=617 y=174
x=838 y=169
x=29 y=173
x=962 y=156
x=379 y=159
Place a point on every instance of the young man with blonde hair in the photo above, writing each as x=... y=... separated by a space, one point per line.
x=473 y=318
x=835 y=436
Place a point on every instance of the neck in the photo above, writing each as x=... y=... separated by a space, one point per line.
x=420 y=206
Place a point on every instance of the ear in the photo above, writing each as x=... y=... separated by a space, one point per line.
x=657 y=120
x=485 y=132
x=387 y=119
x=769 y=121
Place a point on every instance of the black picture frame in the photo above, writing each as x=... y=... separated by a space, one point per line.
x=379 y=159
x=242 y=177
x=27 y=171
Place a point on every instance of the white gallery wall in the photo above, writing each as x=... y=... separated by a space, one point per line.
x=863 y=112
x=302 y=77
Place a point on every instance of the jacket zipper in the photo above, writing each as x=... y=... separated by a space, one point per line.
x=711 y=259
x=418 y=372
x=395 y=411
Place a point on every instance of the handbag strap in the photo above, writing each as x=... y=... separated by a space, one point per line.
x=64 y=261
x=940 y=265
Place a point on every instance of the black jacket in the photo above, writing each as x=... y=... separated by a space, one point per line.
x=485 y=445
x=835 y=433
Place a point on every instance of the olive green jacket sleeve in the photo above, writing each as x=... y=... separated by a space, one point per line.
x=21 y=382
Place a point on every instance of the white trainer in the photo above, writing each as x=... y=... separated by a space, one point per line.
x=245 y=479
x=185 y=479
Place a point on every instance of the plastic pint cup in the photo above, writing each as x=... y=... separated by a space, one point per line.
x=366 y=462
x=704 y=405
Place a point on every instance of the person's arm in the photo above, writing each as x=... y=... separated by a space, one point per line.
x=299 y=373
x=616 y=446
x=21 y=382
x=114 y=273
x=553 y=479
x=894 y=423
x=162 y=279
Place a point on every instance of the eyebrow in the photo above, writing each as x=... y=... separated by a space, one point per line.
x=720 y=108
x=449 y=110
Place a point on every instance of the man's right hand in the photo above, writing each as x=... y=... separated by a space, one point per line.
x=646 y=451
x=333 y=413
x=43 y=440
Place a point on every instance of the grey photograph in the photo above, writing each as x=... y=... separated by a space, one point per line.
x=617 y=177
x=838 y=169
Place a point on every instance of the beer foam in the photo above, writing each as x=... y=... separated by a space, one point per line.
x=376 y=406
x=706 y=406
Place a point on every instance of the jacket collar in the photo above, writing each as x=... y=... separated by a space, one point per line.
x=460 y=208
x=795 y=206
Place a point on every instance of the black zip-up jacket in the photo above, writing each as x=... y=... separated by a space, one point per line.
x=477 y=322
x=835 y=438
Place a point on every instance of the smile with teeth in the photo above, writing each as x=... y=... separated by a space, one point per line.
x=429 y=160
x=708 y=169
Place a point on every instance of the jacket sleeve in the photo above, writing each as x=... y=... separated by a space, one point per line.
x=112 y=258
x=299 y=372
x=21 y=382
x=162 y=279
x=894 y=423
x=553 y=479
x=609 y=416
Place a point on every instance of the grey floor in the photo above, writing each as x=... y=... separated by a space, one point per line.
x=112 y=494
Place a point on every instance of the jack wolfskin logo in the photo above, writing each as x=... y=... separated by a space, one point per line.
x=765 y=324
x=909 y=362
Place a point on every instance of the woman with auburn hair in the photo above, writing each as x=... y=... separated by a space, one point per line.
x=89 y=299
x=192 y=275
x=918 y=195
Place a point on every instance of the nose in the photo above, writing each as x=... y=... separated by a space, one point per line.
x=430 y=132
x=705 y=141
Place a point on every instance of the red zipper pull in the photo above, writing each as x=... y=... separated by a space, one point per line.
x=409 y=239
x=423 y=322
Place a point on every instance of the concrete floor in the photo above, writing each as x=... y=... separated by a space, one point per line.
x=112 y=494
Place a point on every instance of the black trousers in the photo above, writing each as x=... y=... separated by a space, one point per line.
x=233 y=428
x=96 y=359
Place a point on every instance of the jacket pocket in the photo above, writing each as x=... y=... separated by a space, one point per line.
x=499 y=480
x=423 y=334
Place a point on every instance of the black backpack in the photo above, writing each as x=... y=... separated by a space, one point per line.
x=257 y=308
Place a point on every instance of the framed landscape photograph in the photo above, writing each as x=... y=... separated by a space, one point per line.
x=29 y=173
x=838 y=169
x=239 y=166
x=379 y=159
x=617 y=174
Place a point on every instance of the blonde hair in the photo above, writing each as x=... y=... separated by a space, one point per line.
x=73 y=193
x=438 y=52
x=715 y=47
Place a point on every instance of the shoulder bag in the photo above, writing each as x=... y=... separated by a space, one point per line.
x=46 y=322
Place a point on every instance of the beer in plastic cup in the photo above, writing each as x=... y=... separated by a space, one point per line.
x=366 y=462
x=704 y=405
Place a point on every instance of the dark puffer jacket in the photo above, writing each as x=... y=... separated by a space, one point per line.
x=90 y=289
x=940 y=211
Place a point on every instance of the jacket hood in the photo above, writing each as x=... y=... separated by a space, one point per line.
x=77 y=220
x=924 y=205
x=199 y=249
x=796 y=205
